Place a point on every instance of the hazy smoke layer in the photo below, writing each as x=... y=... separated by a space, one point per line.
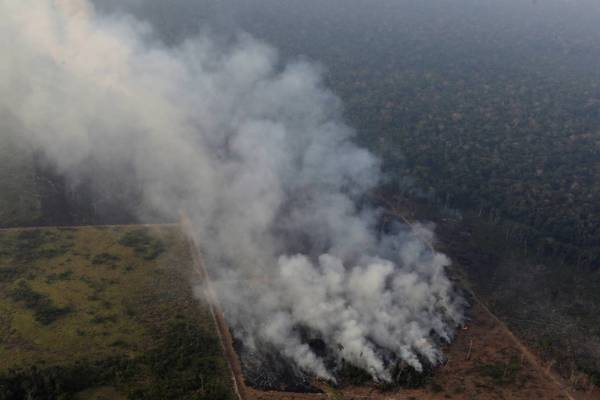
x=257 y=154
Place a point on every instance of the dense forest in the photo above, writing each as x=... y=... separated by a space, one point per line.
x=488 y=107
x=489 y=115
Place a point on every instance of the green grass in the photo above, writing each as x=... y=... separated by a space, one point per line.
x=34 y=244
x=108 y=314
x=44 y=310
x=105 y=258
x=145 y=246
x=9 y=273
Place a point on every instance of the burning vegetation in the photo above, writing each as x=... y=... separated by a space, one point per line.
x=258 y=154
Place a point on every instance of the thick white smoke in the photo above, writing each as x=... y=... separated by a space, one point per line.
x=256 y=152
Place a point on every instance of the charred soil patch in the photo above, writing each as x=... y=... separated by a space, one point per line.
x=484 y=362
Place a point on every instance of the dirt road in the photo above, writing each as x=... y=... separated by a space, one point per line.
x=217 y=314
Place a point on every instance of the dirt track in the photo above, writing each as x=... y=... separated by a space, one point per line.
x=217 y=314
x=531 y=358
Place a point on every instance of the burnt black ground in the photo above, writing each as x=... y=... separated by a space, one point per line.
x=266 y=369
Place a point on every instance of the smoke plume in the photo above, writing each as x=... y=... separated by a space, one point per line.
x=258 y=155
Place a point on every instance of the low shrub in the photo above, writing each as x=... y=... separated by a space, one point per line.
x=63 y=276
x=9 y=274
x=501 y=373
x=105 y=258
x=45 y=312
x=144 y=245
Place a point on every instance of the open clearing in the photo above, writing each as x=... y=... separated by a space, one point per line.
x=484 y=363
x=108 y=312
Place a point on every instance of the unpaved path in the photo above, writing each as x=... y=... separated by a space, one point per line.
x=529 y=356
x=217 y=314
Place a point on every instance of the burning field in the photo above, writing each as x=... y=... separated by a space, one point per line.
x=305 y=283
x=297 y=286
x=258 y=154
x=117 y=304
x=485 y=361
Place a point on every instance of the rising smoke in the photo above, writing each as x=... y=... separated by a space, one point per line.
x=257 y=154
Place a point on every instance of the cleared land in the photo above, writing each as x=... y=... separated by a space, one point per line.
x=108 y=313
x=485 y=362
x=105 y=313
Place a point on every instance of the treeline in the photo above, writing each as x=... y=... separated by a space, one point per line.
x=186 y=364
x=62 y=382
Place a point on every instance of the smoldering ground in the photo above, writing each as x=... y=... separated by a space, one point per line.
x=257 y=154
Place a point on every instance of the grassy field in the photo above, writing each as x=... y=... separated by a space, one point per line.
x=104 y=313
